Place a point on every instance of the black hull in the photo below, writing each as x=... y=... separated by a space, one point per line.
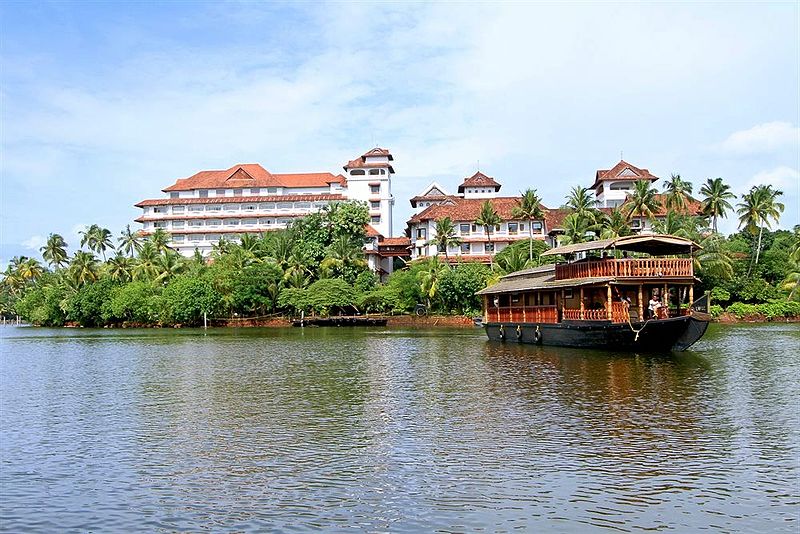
x=664 y=335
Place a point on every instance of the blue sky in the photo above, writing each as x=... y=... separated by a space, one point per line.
x=104 y=104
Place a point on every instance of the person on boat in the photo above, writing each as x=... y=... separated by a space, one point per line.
x=654 y=307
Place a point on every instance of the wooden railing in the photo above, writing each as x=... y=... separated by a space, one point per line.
x=524 y=314
x=626 y=268
x=620 y=312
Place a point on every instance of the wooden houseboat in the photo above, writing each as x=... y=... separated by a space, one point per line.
x=602 y=300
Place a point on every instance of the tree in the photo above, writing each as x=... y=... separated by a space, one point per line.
x=187 y=299
x=489 y=219
x=120 y=268
x=757 y=208
x=614 y=224
x=160 y=240
x=678 y=194
x=580 y=201
x=168 y=265
x=83 y=267
x=642 y=201
x=429 y=277
x=716 y=195
x=457 y=287
x=145 y=268
x=345 y=259
x=445 y=236
x=677 y=224
x=130 y=242
x=97 y=239
x=513 y=260
x=530 y=209
x=55 y=251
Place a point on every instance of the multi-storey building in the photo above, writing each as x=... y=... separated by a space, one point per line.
x=612 y=186
x=199 y=210
x=463 y=209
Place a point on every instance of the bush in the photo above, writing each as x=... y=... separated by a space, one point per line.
x=716 y=310
x=186 y=299
x=458 y=286
x=41 y=306
x=89 y=306
x=719 y=294
x=137 y=302
x=770 y=310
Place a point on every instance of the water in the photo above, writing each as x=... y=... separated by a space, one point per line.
x=395 y=430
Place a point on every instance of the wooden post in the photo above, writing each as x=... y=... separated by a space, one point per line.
x=691 y=295
x=485 y=309
x=581 y=302
x=608 y=310
x=525 y=298
x=665 y=298
x=641 y=304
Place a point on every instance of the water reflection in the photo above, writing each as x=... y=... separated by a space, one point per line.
x=395 y=430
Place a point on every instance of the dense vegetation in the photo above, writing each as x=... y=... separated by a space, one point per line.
x=317 y=265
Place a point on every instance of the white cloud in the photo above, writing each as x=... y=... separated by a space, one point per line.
x=782 y=178
x=35 y=242
x=761 y=138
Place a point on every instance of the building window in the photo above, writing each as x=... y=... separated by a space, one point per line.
x=374 y=172
x=266 y=206
x=521 y=227
x=272 y=190
x=513 y=228
x=616 y=186
x=464 y=229
x=220 y=192
x=421 y=233
x=249 y=207
x=474 y=228
x=212 y=237
x=489 y=247
x=302 y=205
x=231 y=207
x=536 y=226
x=160 y=209
x=255 y=190
x=357 y=172
x=177 y=224
x=160 y=224
x=376 y=219
x=196 y=208
x=284 y=205
x=177 y=239
x=249 y=222
x=214 y=222
x=465 y=248
x=237 y=192
x=196 y=237
x=374 y=205
x=215 y=207
x=375 y=189
x=203 y=193
x=178 y=209
x=232 y=222
x=174 y=195
x=195 y=223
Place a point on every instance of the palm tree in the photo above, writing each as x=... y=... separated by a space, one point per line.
x=344 y=252
x=429 y=278
x=29 y=269
x=642 y=201
x=614 y=225
x=512 y=260
x=97 y=239
x=530 y=209
x=580 y=201
x=576 y=229
x=489 y=219
x=712 y=257
x=120 y=267
x=249 y=242
x=168 y=265
x=145 y=268
x=55 y=251
x=757 y=208
x=715 y=199
x=160 y=240
x=130 y=242
x=678 y=194
x=88 y=236
x=445 y=236
x=83 y=267
x=676 y=224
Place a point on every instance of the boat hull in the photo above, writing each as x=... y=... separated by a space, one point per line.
x=664 y=335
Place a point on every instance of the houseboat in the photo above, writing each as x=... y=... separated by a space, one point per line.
x=627 y=293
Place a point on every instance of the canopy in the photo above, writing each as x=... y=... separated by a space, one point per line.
x=655 y=244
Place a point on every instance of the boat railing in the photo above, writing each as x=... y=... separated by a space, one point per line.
x=626 y=268
x=524 y=314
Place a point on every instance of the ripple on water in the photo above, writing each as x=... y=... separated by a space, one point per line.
x=395 y=430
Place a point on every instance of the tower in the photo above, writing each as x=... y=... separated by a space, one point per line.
x=369 y=179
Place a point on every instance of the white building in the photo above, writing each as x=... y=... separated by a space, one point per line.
x=199 y=210
x=612 y=186
x=434 y=203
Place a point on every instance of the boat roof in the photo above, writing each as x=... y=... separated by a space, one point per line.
x=650 y=244
x=543 y=277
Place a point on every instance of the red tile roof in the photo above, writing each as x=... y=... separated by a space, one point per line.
x=622 y=171
x=693 y=207
x=361 y=161
x=467 y=209
x=395 y=241
x=479 y=180
x=252 y=175
x=237 y=200
x=371 y=231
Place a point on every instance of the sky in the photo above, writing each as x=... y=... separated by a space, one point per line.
x=104 y=104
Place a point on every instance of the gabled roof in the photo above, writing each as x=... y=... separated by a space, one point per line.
x=468 y=209
x=434 y=192
x=362 y=163
x=479 y=180
x=622 y=171
x=650 y=244
x=251 y=175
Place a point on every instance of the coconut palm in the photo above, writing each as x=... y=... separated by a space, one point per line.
x=677 y=194
x=54 y=251
x=160 y=240
x=489 y=219
x=343 y=253
x=120 y=267
x=712 y=258
x=29 y=269
x=676 y=224
x=580 y=201
x=715 y=199
x=757 y=208
x=97 y=239
x=145 y=268
x=130 y=242
x=168 y=265
x=249 y=242
x=614 y=225
x=513 y=259
x=429 y=278
x=577 y=229
x=83 y=267
x=445 y=237
x=530 y=209
x=88 y=236
x=642 y=201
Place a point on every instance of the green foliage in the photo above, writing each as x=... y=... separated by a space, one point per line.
x=720 y=294
x=89 y=306
x=41 y=305
x=753 y=290
x=405 y=289
x=716 y=310
x=457 y=287
x=770 y=310
x=521 y=249
x=137 y=302
x=186 y=299
x=323 y=296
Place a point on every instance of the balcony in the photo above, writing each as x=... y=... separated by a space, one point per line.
x=627 y=268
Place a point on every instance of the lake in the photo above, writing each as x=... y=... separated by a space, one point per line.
x=395 y=430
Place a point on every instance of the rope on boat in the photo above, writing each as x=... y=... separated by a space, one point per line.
x=637 y=332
